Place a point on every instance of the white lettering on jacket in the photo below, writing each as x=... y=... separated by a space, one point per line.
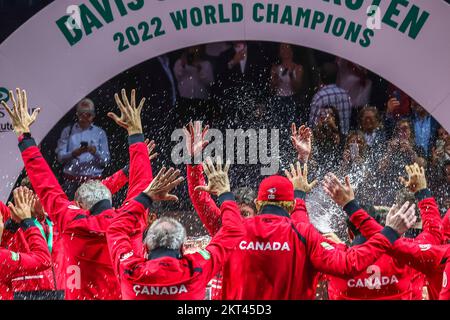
x=263 y=246
x=372 y=283
x=149 y=290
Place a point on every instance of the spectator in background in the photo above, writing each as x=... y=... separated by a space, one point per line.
x=286 y=81
x=355 y=150
x=399 y=152
x=398 y=107
x=441 y=149
x=425 y=128
x=331 y=94
x=82 y=149
x=371 y=126
x=194 y=75
x=327 y=141
x=242 y=77
x=354 y=79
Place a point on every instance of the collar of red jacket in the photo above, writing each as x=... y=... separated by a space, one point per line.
x=100 y=206
x=275 y=210
x=164 y=252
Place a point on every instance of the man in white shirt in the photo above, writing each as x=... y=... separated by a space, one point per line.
x=82 y=149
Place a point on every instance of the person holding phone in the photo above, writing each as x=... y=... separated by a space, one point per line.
x=82 y=149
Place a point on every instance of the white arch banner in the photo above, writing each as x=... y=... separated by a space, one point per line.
x=71 y=47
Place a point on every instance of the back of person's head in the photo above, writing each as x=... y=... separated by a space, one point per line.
x=245 y=197
x=276 y=190
x=92 y=192
x=166 y=233
x=328 y=73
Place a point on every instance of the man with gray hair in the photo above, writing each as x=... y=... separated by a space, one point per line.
x=82 y=224
x=166 y=273
x=82 y=149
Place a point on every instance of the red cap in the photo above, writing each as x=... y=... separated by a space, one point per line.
x=276 y=188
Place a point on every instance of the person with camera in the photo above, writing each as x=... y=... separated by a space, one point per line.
x=82 y=149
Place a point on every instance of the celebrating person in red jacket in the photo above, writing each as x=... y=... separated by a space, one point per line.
x=17 y=264
x=391 y=277
x=41 y=284
x=83 y=225
x=167 y=273
x=296 y=249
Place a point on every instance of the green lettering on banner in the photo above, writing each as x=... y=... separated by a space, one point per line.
x=318 y=17
x=256 y=17
x=196 y=16
x=72 y=36
x=354 y=4
x=104 y=10
x=328 y=24
x=272 y=13
x=337 y=2
x=89 y=20
x=414 y=22
x=179 y=19
x=353 y=32
x=366 y=41
x=393 y=11
x=237 y=12
x=303 y=14
x=121 y=7
x=286 y=18
x=137 y=5
x=339 y=27
x=222 y=18
x=210 y=12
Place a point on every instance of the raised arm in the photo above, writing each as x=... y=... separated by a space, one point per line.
x=131 y=218
x=299 y=179
x=130 y=119
x=45 y=184
x=232 y=230
x=119 y=179
x=202 y=201
x=38 y=258
x=432 y=226
x=326 y=258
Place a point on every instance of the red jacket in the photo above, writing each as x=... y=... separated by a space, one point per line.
x=209 y=214
x=424 y=253
x=169 y=275
x=87 y=265
x=279 y=258
x=18 y=264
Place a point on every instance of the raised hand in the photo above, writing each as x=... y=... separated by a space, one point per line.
x=299 y=178
x=401 y=219
x=340 y=193
x=160 y=187
x=195 y=138
x=301 y=140
x=130 y=117
x=21 y=119
x=218 y=181
x=416 y=178
x=151 y=145
x=24 y=201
